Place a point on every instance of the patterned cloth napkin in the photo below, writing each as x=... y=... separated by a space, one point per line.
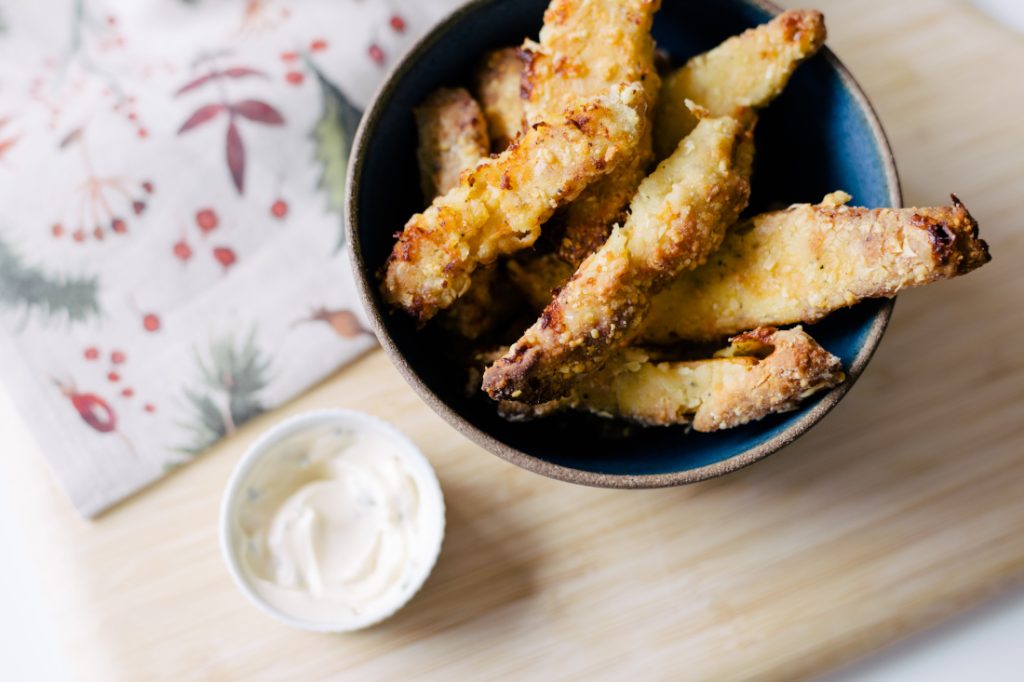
x=171 y=241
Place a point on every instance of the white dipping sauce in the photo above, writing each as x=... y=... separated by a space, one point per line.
x=337 y=526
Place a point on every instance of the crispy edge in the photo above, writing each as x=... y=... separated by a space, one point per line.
x=763 y=371
x=498 y=207
x=497 y=84
x=452 y=139
x=804 y=262
x=678 y=217
x=796 y=368
x=748 y=70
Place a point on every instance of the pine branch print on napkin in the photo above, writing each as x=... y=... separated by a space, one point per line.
x=52 y=296
x=232 y=378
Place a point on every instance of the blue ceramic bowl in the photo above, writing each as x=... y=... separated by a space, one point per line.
x=819 y=136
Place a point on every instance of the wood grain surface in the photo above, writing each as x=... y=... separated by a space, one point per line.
x=905 y=505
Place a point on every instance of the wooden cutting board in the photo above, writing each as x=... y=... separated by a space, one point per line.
x=903 y=507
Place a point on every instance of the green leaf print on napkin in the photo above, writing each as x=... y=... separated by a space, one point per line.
x=34 y=290
x=332 y=136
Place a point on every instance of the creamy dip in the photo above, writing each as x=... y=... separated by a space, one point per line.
x=337 y=525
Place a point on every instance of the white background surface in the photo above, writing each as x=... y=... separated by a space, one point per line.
x=980 y=645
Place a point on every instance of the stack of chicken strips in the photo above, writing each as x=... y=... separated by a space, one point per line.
x=635 y=178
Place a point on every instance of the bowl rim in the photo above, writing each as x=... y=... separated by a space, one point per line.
x=366 y=284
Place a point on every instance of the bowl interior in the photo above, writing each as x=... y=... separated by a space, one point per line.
x=819 y=136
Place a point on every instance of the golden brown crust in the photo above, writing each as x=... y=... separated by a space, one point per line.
x=763 y=371
x=678 y=217
x=802 y=263
x=498 y=207
x=585 y=46
x=748 y=70
x=452 y=138
x=497 y=83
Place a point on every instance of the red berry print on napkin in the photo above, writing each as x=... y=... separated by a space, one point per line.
x=279 y=209
x=151 y=322
x=94 y=410
x=225 y=256
x=92 y=407
x=207 y=220
x=182 y=251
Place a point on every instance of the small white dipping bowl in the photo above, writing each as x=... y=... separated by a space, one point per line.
x=258 y=456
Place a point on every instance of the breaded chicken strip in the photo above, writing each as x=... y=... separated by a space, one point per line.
x=499 y=206
x=748 y=70
x=452 y=138
x=769 y=271
x=678 y=217
x=764 y=371
x=800 y=264
x=497 y=83
x=586 y=46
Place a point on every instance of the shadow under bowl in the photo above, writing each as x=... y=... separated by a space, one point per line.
x=820 y=135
